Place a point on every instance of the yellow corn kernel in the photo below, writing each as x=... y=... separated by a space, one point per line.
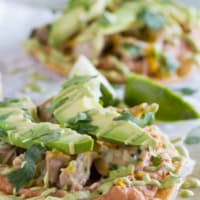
x=71 y=167
x=121 y=183
x=149 y=50
x=153 y=64
x=139 y=174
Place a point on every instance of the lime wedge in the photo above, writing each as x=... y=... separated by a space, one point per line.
x=173 y=107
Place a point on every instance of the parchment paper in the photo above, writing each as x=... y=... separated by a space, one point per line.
x=16 y=22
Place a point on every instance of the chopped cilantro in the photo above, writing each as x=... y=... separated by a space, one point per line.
x=107 y=98
x=3 y=133
x=151 y=18
x=82 y=123
x=148 y=118
x=133 y=50
x=156 y=160
x=21 y=177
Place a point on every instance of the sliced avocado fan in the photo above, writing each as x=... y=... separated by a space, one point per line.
x=172 y=107
x=77 y=106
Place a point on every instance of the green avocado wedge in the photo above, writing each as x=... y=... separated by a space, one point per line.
x=172 y=107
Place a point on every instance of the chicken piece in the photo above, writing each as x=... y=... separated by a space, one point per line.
x=43 y=113
x=145 y=160
x=41 y=34
x=90 y=48
x=55 y=161
x=106 y=63
x=5 y=185
x=114 y=156
x=7 y=153
x=77 y=172
x=17 y=162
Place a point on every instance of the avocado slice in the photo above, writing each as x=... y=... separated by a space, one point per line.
x=74 y=20
x=17 y=128
x=51 y=136
x=83 y=67
x=172 y=107
x=78 y=98
x=111 y=130
x=78 y=94
x=24 y=104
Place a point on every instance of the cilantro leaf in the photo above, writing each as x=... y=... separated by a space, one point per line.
x=133 y=50
x=3 y=133
x=82 y=123
x=156 y=160
x=21 y=177
x=148 y=118
x=107 y=98
x=151 y=19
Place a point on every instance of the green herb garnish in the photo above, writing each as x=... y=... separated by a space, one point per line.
x=3 y=133
x=157 y=160
x=151 y=19
x=22 y=177
x=82 y=123
x=148 y=118
x=133 y=50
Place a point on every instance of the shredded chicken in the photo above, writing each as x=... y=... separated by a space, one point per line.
x=111 y=157
x=43 y=114
x=77 y=172
x=54 y=163
x=7 y=153
x=5 y=185
x=17 y=162
x=86 y=48
x=41 y=34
